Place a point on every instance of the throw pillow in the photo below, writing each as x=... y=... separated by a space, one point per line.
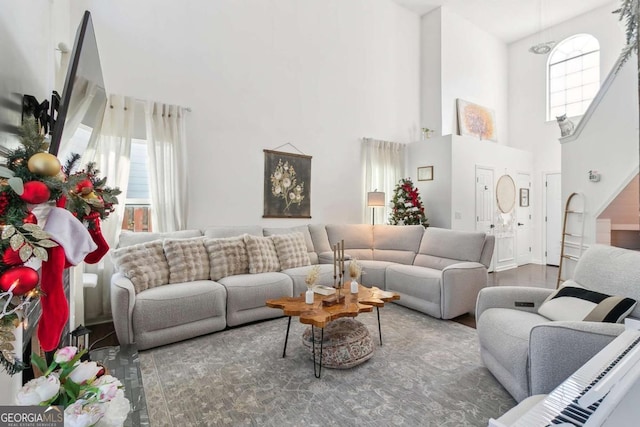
x=187 y=258
x=144 y=264
x=573 y=302
x=263 y=257
x=291 y=249
x=227 y=256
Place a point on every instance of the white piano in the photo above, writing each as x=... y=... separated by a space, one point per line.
x=603 y=392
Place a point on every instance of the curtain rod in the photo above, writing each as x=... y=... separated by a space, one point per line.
x=145 y=100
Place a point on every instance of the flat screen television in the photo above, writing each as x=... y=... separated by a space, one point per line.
x=83 y=98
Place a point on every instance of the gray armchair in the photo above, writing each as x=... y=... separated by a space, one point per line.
x=530 y=354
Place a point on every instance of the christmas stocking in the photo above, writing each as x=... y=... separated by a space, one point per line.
x=98 y=239
x=55 y=308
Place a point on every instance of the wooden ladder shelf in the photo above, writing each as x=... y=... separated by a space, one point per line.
x=571 y=218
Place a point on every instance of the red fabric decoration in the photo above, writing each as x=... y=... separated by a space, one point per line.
x=55 y=308
x=30 y=219
x=35 y=192
x=26 y=277
x=98 y=239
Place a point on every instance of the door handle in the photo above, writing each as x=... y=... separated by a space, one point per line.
x=520 y=223
x=492 y=226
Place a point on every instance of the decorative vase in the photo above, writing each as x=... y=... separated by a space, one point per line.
x=354 y=286
x=308 y=297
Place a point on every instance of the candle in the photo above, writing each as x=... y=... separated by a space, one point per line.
x=342 y=245
x=334 y=260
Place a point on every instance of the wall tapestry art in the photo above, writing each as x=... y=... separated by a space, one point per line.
x=287 y=185
x=476 y=121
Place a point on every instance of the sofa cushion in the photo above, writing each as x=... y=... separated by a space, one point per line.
x=144 y=264
x=319 y=237
x=263 y=257
x=313 y=257
x=419 y=282
x=452 y=244
x=219 y=231
x=620 y=277
x=573 y=302
x=247 y=293
x=179 y=303
x=373 y=272
x=187 y=258
x=358 y=239
x=396 y=243
x=227 y=256
x=128 y=238
x=291 y=250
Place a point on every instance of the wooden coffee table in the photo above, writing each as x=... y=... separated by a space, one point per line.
x=318 y=315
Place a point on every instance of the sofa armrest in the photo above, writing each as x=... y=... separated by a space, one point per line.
x=514 y=297
x=558 y=349
x=123 y=298
x=460 y=285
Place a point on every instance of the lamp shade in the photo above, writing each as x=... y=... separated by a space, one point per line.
x=375 y=198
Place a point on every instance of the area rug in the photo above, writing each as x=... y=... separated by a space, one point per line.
x=427 y=372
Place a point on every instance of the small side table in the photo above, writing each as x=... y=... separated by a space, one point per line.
x=124 y=364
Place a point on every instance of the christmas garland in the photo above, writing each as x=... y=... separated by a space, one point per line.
x=32 y=177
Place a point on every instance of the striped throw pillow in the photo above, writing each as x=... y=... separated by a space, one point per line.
x=188 y=260
x=227 y=256
x=263 y=257
x=573 y=302
x=291 y=249
x=144 y=264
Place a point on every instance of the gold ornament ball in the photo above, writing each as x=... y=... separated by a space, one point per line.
x=44 y=164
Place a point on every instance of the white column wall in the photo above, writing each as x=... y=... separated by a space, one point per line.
x=474 y=68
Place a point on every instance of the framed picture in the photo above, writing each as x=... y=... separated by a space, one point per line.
x=287 y=185
x=425 y=173
x=524 y=197
x=476 y=121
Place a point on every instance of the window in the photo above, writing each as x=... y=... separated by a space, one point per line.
x=573 y=77
x=137 y=213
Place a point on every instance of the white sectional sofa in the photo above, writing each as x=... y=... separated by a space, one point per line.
x=162 y=297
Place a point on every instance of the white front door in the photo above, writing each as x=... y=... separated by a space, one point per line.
x=523 y=218
x=553 y=217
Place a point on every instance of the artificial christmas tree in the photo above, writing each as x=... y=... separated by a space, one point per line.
x=407 y=208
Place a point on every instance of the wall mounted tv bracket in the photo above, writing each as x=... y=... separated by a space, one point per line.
x=40 y=110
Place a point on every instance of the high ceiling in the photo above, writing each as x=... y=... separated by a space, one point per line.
x=511 y=20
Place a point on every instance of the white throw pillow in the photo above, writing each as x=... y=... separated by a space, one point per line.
x=188 y=260
x=291 y=249
x=227 y=256
x=263 y=257
x=144 y=264
x=574 y=302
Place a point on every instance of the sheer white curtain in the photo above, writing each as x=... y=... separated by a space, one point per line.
x=166 y=145
x=111 y=152
x=383 y=167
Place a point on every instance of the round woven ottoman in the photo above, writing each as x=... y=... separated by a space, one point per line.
x=346 y=343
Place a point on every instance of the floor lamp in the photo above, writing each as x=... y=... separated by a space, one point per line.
x=375 y=199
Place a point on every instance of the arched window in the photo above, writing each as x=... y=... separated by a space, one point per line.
x=573 y=76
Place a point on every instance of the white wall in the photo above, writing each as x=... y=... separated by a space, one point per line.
x=435 y=194
x=258 y=74
x=431 y=71
x=26 y=51
x=608 y=144
x=474 y=68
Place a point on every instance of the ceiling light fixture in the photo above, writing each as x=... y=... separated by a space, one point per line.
x=542 y=48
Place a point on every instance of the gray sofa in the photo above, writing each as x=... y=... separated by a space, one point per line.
x=436 y=271
x=530 y=354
